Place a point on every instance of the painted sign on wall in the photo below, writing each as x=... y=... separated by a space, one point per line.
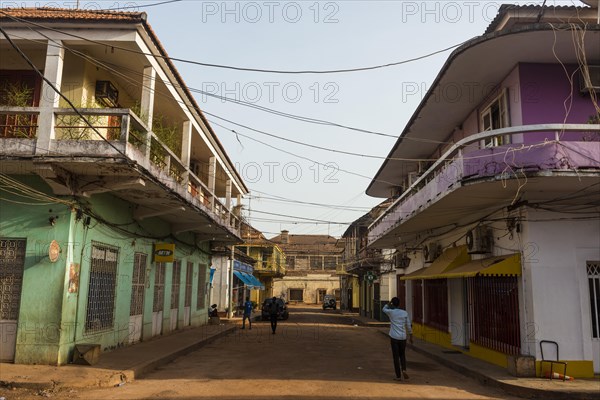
x=164 y=252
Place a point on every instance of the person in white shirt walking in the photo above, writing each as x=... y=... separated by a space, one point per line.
x=400 y=330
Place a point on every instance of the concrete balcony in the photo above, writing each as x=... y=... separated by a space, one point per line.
x=468 y=182
x=119 y=154
x=270 y=268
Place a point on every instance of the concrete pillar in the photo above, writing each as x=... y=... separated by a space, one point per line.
x=212 y=179
x=186 y=143
x=228 y=188
x=147 y=101
x=53 y=71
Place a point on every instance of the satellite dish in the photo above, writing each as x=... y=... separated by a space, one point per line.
x=591 y=3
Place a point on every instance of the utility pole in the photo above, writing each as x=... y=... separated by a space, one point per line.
x=230 y=286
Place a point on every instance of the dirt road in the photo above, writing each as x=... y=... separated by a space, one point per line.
x=314 y=355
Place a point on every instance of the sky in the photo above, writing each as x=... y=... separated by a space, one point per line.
x=315 y=36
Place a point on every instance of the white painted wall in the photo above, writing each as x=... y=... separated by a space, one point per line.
x=561 y=311
x=220 y=286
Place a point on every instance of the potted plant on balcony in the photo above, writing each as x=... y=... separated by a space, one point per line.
x=17 y=94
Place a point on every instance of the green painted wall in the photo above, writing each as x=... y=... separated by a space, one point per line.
x=39 y=324
x=52 y=319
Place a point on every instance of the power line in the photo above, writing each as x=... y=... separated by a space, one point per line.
x=302 y=218
x=318 y=147
x=279 y=113
x=335 y=207
x=79 y=114
x=296 y=155
x=248 y=69
x=141 y=6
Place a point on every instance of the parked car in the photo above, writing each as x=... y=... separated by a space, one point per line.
x=329 y=301
x=266 y=307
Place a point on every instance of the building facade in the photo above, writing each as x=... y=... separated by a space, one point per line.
x=361 y=268
x=501 y=228
x=311 y=267
x=114 y=186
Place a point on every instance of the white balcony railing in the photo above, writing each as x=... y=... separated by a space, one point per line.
x=466 y=160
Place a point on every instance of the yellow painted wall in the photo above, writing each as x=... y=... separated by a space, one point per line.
x=575 y=369
x=355 y=292
x=432 y=335
x=485 y=354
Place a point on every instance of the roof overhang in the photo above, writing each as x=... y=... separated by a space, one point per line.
x=469 y=76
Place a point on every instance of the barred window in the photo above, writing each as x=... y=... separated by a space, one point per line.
x=201 y=300
x=593 y=272
x=417 y=286
x=189 y=273
x=138 y=284
x=159 y=287
x=175 y=284
x=436 y=303
x=494 y=313
x=102 y=288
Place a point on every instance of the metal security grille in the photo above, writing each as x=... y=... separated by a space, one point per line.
x=12 y=261
x=417 y=286
x=494 y=313
x=175 y=285
x=593 y=272
x=102 y=288
x=401 y=290
x=159 y=288
x=201 y=287
x=188 y=284
x=138 y=284
x=436 y=303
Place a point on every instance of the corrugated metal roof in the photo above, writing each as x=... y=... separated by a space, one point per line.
x=505 y=8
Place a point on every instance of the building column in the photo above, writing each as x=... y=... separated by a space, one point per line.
x=49 y=99
x=212 y=179
x=147 y=105
x=147 y=100
x=186 y=143
x=186 y=149
x=228 y=188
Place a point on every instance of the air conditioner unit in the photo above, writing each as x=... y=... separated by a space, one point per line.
x=431 y=252
x=401 y=260
x=480 y=240
x=107 y=93
x=593 y=84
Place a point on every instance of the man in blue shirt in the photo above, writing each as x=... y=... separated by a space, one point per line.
x=247 y=314
x=400 y=329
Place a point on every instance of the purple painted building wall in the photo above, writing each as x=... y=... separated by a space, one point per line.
x=546 y=98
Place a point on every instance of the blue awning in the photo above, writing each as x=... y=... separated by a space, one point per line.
x=245 y=278
x=257 y=284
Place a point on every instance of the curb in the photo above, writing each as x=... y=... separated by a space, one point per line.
x=515 y=390
x=92 y=377
x=143 y=368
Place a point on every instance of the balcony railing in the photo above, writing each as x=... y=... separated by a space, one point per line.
x=125 y=132
x=270 y=266
x=465 y=160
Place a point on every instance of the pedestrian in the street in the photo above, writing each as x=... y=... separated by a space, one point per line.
x=400 y=330
x=247 y=314
x=273 y=312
